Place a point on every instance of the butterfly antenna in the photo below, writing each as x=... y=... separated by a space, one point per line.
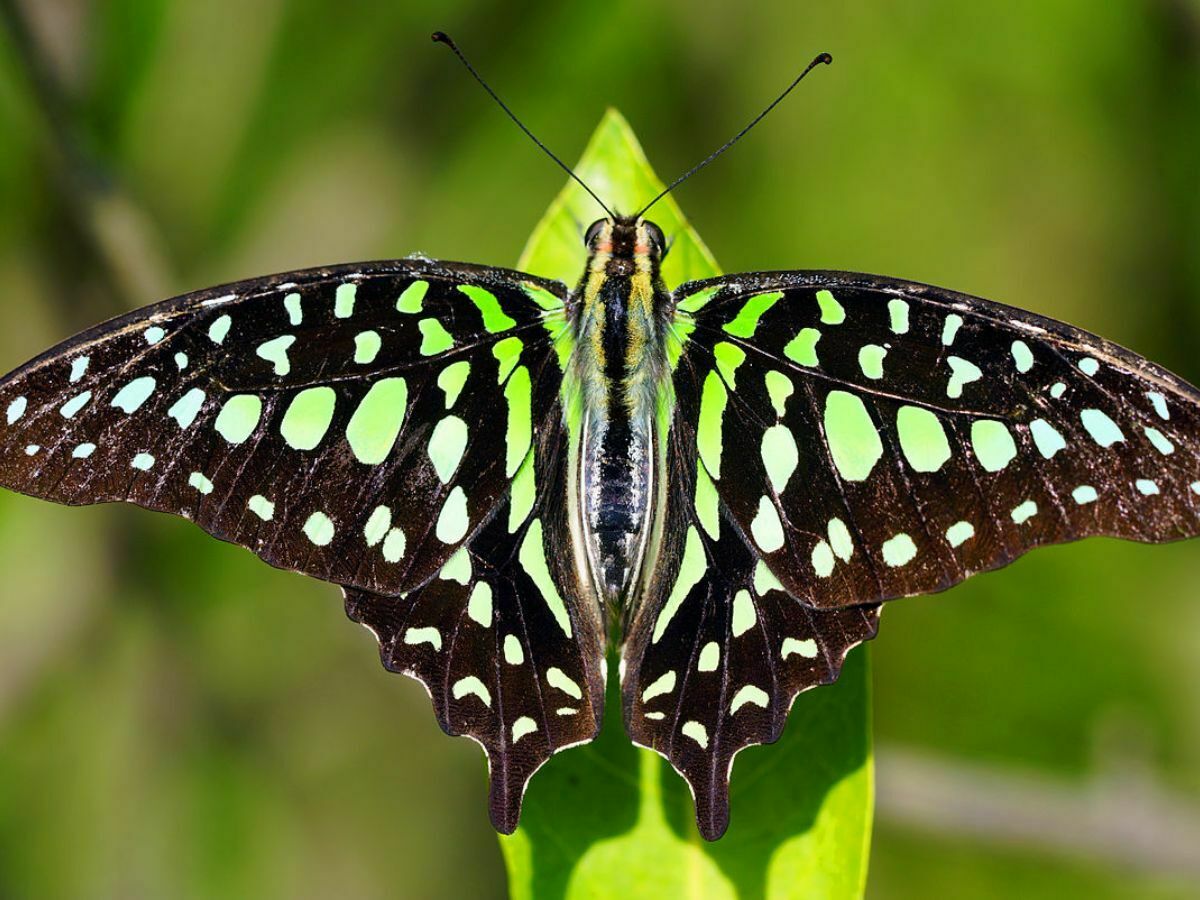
x=821 y=59
x=441 y=37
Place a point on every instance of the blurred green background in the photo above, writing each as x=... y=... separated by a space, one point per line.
x=228 y=733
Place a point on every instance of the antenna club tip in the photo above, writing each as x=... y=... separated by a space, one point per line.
x=440 y=37
x=825 y=58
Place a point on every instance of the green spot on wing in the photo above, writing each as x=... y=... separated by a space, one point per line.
x=376 y=422
x=748 y=317
x=435 y=338
x=307 y=417
x=412 y=299
x=494 y=318
x=533 y=561
x=239 y=417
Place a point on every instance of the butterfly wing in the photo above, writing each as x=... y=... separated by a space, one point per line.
x=390 y=427
x=861 y=439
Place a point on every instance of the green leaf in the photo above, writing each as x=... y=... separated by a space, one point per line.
x=610 y=820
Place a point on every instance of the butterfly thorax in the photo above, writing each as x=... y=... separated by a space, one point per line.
x=619 y=309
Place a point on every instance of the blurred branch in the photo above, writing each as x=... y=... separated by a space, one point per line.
x=1118 y=819
x=119 y=232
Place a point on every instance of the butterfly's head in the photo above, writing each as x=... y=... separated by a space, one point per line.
x=626 y=244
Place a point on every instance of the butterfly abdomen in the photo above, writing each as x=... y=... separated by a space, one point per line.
x=617 y=363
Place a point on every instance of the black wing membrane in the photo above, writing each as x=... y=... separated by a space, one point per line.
x=844 y=440
x=391 y=427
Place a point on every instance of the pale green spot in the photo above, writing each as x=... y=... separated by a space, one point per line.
x=181 y=361
x=708 y=431
x=343 y=302
x=898 y=312
x=707 y=504
x=79 y=367
x=1024 y=512
x=542 y=297
x=710 y=657
x=479 y=607
x=1146 y=487
x=219 y=330
x=853 y=440
x=413 y=297
x=870 y=360
x=431 y=636
x=532 y=557
x=1157 y=400
x=950 y=328
x=16 y=409
x=765 y=580
x=72 y=407
x=746 y=322
x=376 y=422
x=507 y=352
x=453 y=520
x=447 y=444
x=959 y=533
x=779 y=455
x=661 y=686
x=993 y=444
x=899 y=550
x=779 y=389
x=457 y=567
x=1085 y=494
x=307 y=418
x=803 y=347
x=962 y=373
x=559 y=679
x=494 y=318
x=131 y=397
x=1022 y=356
x=451 y=380
x=319 y=529
x=832 y=312
x=394 y=546
x=523 y=494
x=1057 y=390
x=745 y=616
x=1104 y=431
x=1046 y=438
x=435 y=338
x=514 y=653
x=295 y=313
x=1089 y=366
x=519 y=435
x=696 y=732
x=153 y=335
x=729 y=357
x=83 y=451
x=691 y=569
x=766 y=527
x=239 y=417
x=694 y=302
x=840 y=540
x=276 y=351
x=472 y=686
x=1160 y=441
x=922 y=438
x=751 y=694
x=377 y=525
x=822 y=559
x=261 y=507
x=143 y=462
x=200 y=483
x=366 y=347
x=806 y=648
x=523 y=726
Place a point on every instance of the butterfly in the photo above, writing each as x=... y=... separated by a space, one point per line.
x=505 y=475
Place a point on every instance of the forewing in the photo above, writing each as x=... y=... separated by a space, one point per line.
x=876 y=438
x=356 y=424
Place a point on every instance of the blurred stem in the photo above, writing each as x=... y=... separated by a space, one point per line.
x=118 y=232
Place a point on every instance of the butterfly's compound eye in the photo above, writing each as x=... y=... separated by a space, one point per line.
x=657 y=238
x=593 y=232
